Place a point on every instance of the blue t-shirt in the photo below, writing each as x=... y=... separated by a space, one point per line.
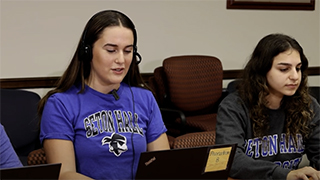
x=8 y=157
x=107 y=139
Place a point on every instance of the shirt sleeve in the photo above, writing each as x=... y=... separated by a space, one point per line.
x=8 y=157
x=156 y=125
x=233 y=126
x=56 y=121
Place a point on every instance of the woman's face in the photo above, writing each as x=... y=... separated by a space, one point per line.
x=284 y=77
x=112 y=56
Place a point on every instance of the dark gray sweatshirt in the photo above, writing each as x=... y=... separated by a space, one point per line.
x=271 y=157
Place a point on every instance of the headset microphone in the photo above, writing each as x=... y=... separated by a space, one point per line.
x=115 y=94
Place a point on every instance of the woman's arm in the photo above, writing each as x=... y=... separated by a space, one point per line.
x=159 y=144
x=61 y=151
x=8 y=156
x=313 y=142
x=312 y=150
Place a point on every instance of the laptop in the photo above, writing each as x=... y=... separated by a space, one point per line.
x=206 y=162
x=43 y=171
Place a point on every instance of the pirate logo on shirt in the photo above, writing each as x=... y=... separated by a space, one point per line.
x=117 y=143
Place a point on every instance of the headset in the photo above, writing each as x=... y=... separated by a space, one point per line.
x=85 y=50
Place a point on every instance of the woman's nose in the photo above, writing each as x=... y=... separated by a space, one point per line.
x=120 y=58
x=294 y=74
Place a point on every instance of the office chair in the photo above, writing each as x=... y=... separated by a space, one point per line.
x=188 y=89
x=37 y=157
x=19 y=118
x=315 y=92
x=232 y=85
x=196 y=139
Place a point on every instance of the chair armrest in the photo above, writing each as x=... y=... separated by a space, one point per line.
x=175 y=112
x=170 y=115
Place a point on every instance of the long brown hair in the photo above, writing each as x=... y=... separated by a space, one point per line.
x=253 y=88
x=79 y=68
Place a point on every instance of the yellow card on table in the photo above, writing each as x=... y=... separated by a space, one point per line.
x=218 y=159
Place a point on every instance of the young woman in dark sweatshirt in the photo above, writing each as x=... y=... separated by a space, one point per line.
x=271 y=116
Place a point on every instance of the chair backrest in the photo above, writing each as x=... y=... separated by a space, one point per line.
x=315 y=92
x=194 y=81
x=159 y=84
x=37 y=157
x=19 y=117
x=232 y=85
x=195 y=139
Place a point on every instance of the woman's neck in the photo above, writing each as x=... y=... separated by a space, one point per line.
x=274 y=101
x=102 y=88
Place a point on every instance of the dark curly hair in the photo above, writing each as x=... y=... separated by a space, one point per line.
x=254 y=89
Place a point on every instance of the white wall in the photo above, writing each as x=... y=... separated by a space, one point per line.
x=38 y=37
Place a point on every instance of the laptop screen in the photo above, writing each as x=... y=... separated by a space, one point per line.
x=206 y=162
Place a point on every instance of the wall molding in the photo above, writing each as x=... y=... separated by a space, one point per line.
x=50 y=82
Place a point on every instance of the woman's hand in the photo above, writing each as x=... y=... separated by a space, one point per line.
x=305 y=173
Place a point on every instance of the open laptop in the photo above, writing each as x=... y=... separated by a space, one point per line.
x=207 y=162
x=43 y=171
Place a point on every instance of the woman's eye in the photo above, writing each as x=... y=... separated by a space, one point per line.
x=111 y=50
x=283 y=70
x=128 y=51
x=298 y=69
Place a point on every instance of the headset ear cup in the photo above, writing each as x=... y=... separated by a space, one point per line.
x=136 y=55
x=88 y=53
x=138 y=58
x=85 y=53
